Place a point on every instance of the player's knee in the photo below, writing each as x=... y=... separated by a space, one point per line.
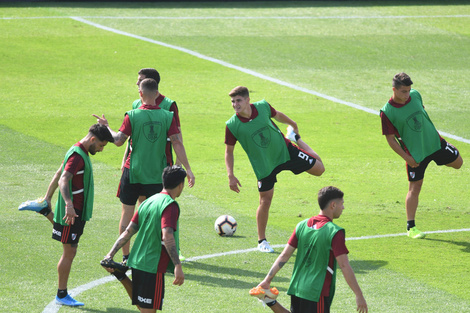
x=318 y=169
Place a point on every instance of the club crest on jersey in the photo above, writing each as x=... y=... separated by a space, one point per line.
x=415 y=121
x=152 y=130
x=262 y=137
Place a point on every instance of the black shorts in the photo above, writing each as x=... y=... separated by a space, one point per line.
x=148 y=289
x=300 y=305
x=129 y=193
x=69 y=234
x=447 y=154
x=300 y=161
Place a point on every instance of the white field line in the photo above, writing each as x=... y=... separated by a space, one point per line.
x=247 y=71
x=52 y=307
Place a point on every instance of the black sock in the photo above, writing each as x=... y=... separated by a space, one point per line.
x=61 y=293
x=410 y=224
x=260 y=241
x=125 y=257
x=45 y=211
x=297 y=137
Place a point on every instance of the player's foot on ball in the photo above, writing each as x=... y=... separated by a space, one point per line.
x=291 y=135
x=68 y=300
x=265 y=247
x=415 y=233
x=261 y=293
x=33 y=205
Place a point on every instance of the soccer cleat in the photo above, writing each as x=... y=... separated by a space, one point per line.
x=415 y=233
x=68 y=300
x=33 y=205
x=291 y=135
x=182 y=258
x=118 y=267
x=265 y=247
x=261 y=293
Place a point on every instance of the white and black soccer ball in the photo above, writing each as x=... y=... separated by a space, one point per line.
x=225 y=225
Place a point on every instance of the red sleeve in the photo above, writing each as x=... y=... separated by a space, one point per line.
x=176 y=115
x=135 y=218
x=229 y=137
x=173 y=128
x=338 y=244
x=273 y=111
x=170 y=216
x=293 y=241
x=126 y=127
x=387 y=126
x=74 y=164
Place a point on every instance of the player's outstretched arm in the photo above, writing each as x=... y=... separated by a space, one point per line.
x=350 y=278
x=282 y=118
x=119 y=137
x=281 y=260
x=130 y=231
x=233 y=182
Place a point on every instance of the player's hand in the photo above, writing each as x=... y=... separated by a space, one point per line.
x=234 y=184
x=361 y=304
x=70 y=214
x=179 y=276
x=101 y=120
x=191 y=178
x=411 y=162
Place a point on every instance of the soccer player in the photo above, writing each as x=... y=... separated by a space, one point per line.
x=164 y=103
x=155 y=249
x=411 y=134
x=267 y=149
x=74 y=205
x=148 y=128
x=320 y=248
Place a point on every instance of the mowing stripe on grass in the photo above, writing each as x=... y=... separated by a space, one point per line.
x=250 y=17
x=52 y=307
x=245 y=70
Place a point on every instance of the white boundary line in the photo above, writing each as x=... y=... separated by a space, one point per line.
x=246 y=71
x=52 y=307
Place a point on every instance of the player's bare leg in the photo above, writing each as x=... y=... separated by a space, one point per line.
x=457 y=163
x=412 y=199
x=65 y=264
x=126 y=216
x=262 y=214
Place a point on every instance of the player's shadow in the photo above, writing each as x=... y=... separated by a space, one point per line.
x=363 y=267
x=108 y=310
x=464 y=244
x=225 y=276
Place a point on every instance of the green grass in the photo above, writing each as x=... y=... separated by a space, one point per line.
x=56 y=72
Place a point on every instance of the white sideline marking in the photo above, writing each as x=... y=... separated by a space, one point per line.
x=246 y=71
x=52 y=307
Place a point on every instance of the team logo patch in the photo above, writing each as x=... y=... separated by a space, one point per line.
x=412 y=174
x=74 y=236
x=259 y=184
x=152 y=130
x=415 y=121
x=262 y=137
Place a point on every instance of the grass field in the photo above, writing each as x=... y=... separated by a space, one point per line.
x=59 y=65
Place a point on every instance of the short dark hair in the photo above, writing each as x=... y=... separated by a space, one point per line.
x=150 y=73
x=401 y=79
x=149 y=86
x=239 y=91
x=326 y=194
x=173 y=176
x=101 y=132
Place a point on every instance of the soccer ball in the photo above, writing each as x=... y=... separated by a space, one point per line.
x=225 y=225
